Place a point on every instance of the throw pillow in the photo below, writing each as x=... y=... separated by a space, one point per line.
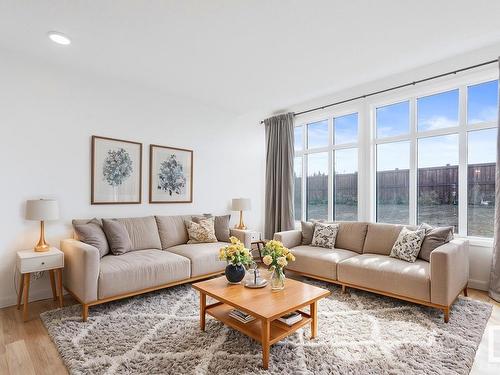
x=407 y=246
x=117 y=235
x=434 y=237
x=307 y=228
x=221 y=225
x=201 y=232
x=325 y=235
x=92 y=234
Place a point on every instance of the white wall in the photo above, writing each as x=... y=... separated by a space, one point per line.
x=480 y=250
x=47 y=116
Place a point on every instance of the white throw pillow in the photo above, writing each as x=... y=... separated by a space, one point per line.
x=407 y=246
x=325 y=235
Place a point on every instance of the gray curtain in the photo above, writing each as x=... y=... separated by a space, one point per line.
x=495 y=263
x=279 y=174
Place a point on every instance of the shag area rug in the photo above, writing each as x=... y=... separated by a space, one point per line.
x=359 y=333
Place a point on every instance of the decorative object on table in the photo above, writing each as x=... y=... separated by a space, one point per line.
x=241 y=316
x=42 y=210
x=116 y=171
x=170 y=175
x=29 y=262
x=291 y=318
x=277 y=256
x=241 y=204
x=255 y=281
x=237 y=257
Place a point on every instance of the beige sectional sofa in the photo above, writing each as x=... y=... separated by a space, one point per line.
x=361 y=260
x=160 y=258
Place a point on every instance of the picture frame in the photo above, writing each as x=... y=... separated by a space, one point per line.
x=116 y=171
x=170 y=174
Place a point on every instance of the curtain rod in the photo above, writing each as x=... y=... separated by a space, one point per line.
x=395 y=87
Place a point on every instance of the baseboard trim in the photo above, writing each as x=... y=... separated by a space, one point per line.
x=479 y=284
x=37 y=295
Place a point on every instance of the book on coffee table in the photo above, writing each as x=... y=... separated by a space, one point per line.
x=241 y=316
x=291 y=318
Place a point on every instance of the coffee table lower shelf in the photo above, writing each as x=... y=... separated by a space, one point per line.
x=253 y=329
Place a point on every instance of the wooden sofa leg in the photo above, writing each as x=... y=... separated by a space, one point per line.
x=344 y=289
x=85 y=312
x=446 y=312
x=466 y=294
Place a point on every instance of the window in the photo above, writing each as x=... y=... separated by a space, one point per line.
x=438 y=165
x=438 y=181
x=393 y=173
x=482 y=102
x=438 y=111
x=297 y=188
x=346 y=184
x=330 y=162
x=317 y=134
x=393 y=120
x=317 y=186
x=481 y=182
x=345 y=129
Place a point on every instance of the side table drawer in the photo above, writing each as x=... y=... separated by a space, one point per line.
x=255 y=236
x=40 y=263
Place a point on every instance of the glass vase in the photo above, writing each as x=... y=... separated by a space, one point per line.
x=278 y=279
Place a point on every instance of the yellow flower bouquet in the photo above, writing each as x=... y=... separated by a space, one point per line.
x=276 y=257
x=237 y=256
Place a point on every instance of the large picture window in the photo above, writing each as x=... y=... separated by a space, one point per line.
x=436 y=164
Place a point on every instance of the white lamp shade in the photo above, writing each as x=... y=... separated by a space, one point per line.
x=241 y=204
x=42 y=209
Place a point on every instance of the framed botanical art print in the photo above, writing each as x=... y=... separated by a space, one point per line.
x=170 y=175
x=116 y=171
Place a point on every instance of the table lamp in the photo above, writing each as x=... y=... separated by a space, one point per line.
x=241 y=204
x=42 y=210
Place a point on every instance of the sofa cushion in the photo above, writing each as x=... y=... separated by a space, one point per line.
x=92 y=234
x=380 y=238
x=117 y=235
x=351 y=235
x=143 y=232
x=202 y=231
x=434 y=237
x=407 y=246
x=318 y=261
x=172 y=230
x=325 y=235
x=221 y=225
x=307 y=228
x=385 y=274
x=139 y=270
x=204 y=257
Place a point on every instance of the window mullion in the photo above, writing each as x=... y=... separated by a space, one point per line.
x=413 y=177
x=331 y=166
x=462 y=163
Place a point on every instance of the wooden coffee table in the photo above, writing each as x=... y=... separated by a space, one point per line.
x=265 y=305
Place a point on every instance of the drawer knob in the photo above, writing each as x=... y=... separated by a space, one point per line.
x=43 y=263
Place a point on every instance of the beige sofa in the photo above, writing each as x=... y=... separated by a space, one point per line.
x=160 y=258
x=361 y=260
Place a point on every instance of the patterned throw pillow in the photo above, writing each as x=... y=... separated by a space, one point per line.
x=202 y=231
x=325 y=235
x=407 y=246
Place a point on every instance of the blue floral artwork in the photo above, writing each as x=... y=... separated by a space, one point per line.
x=117 y=167
x=171 y=178
x=116 y=171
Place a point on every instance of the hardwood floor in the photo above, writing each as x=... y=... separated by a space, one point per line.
x=25 y=348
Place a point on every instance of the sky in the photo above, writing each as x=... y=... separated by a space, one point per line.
x=433 y=112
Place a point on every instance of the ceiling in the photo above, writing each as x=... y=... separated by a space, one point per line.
x=244 y=56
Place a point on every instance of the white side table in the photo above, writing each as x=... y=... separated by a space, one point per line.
x=29 y=261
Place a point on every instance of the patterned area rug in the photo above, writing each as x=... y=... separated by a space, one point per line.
x=359 y=333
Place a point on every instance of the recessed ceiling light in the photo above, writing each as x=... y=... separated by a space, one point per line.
x=59 y=38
